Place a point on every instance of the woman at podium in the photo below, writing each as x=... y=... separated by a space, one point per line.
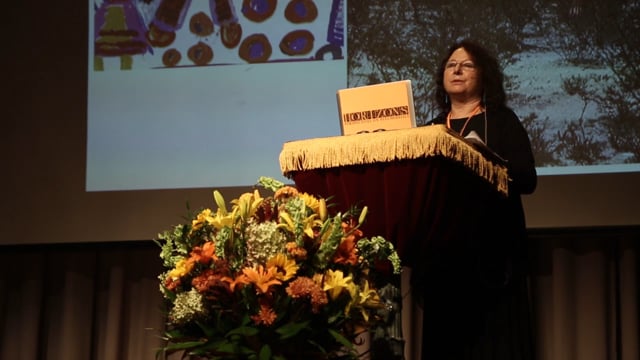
x=472 y=283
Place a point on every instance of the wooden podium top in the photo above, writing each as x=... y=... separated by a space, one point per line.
x=389 y=146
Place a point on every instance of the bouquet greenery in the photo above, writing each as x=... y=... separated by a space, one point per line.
x=275 y=277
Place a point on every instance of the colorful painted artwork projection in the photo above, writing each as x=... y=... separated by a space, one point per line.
x=150 y=34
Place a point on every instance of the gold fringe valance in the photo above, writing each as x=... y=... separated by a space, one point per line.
x=387 y=146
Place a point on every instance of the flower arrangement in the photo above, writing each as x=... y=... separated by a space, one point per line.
x=273 y=277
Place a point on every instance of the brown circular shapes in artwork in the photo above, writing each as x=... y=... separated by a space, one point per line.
x=158 y=37
x=230 y=35
x=171 y=57
x=200 y=54
x=258 y=10
x=301 y=11
x=201 y=24
x=255 y=48
x=223 y=12
x=297 y=42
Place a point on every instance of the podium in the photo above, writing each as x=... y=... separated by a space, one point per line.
x=413 y=181
x=429 y=192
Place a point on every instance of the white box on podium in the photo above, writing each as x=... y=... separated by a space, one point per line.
x=379 y=107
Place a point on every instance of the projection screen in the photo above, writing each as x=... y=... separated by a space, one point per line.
x=188 y=94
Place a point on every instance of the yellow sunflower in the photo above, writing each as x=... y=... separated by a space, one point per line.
x=285 y=268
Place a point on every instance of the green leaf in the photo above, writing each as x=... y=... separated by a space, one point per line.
x=244 y=331
x=291 y=329
x=174 y=334
x=270 y=183
x=184 y=345
x=335 y=318
x=209 y=331
x=216 y=345
x=228 y=348
x=169 y=294
x=265 y=352
x=341 y=339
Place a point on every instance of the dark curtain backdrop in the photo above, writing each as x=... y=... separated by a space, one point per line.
x=102 y=301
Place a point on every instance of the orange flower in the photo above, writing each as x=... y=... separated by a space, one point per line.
x=204 y=254
x=266 y=316
x=297 y=252
x=348 y=227
x=261 y=278
x=285 y=192
x=307 y=288
x=346 y=252
x=239 y=280
x=171 y=284
x=207 y=280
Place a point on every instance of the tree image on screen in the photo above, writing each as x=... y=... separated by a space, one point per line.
x=571 y=66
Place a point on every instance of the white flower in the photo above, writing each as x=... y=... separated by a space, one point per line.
x=187 y=307
x=264 y=241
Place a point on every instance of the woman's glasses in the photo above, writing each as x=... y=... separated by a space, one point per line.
x=466 y=65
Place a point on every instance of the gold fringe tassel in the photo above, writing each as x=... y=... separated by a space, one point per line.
x=387 y=146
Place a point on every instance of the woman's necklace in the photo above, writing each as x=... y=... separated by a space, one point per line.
x=475 y=112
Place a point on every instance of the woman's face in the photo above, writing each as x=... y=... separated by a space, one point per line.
x=462 y=76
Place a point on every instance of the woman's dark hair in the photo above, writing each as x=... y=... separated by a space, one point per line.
x=491 y=76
